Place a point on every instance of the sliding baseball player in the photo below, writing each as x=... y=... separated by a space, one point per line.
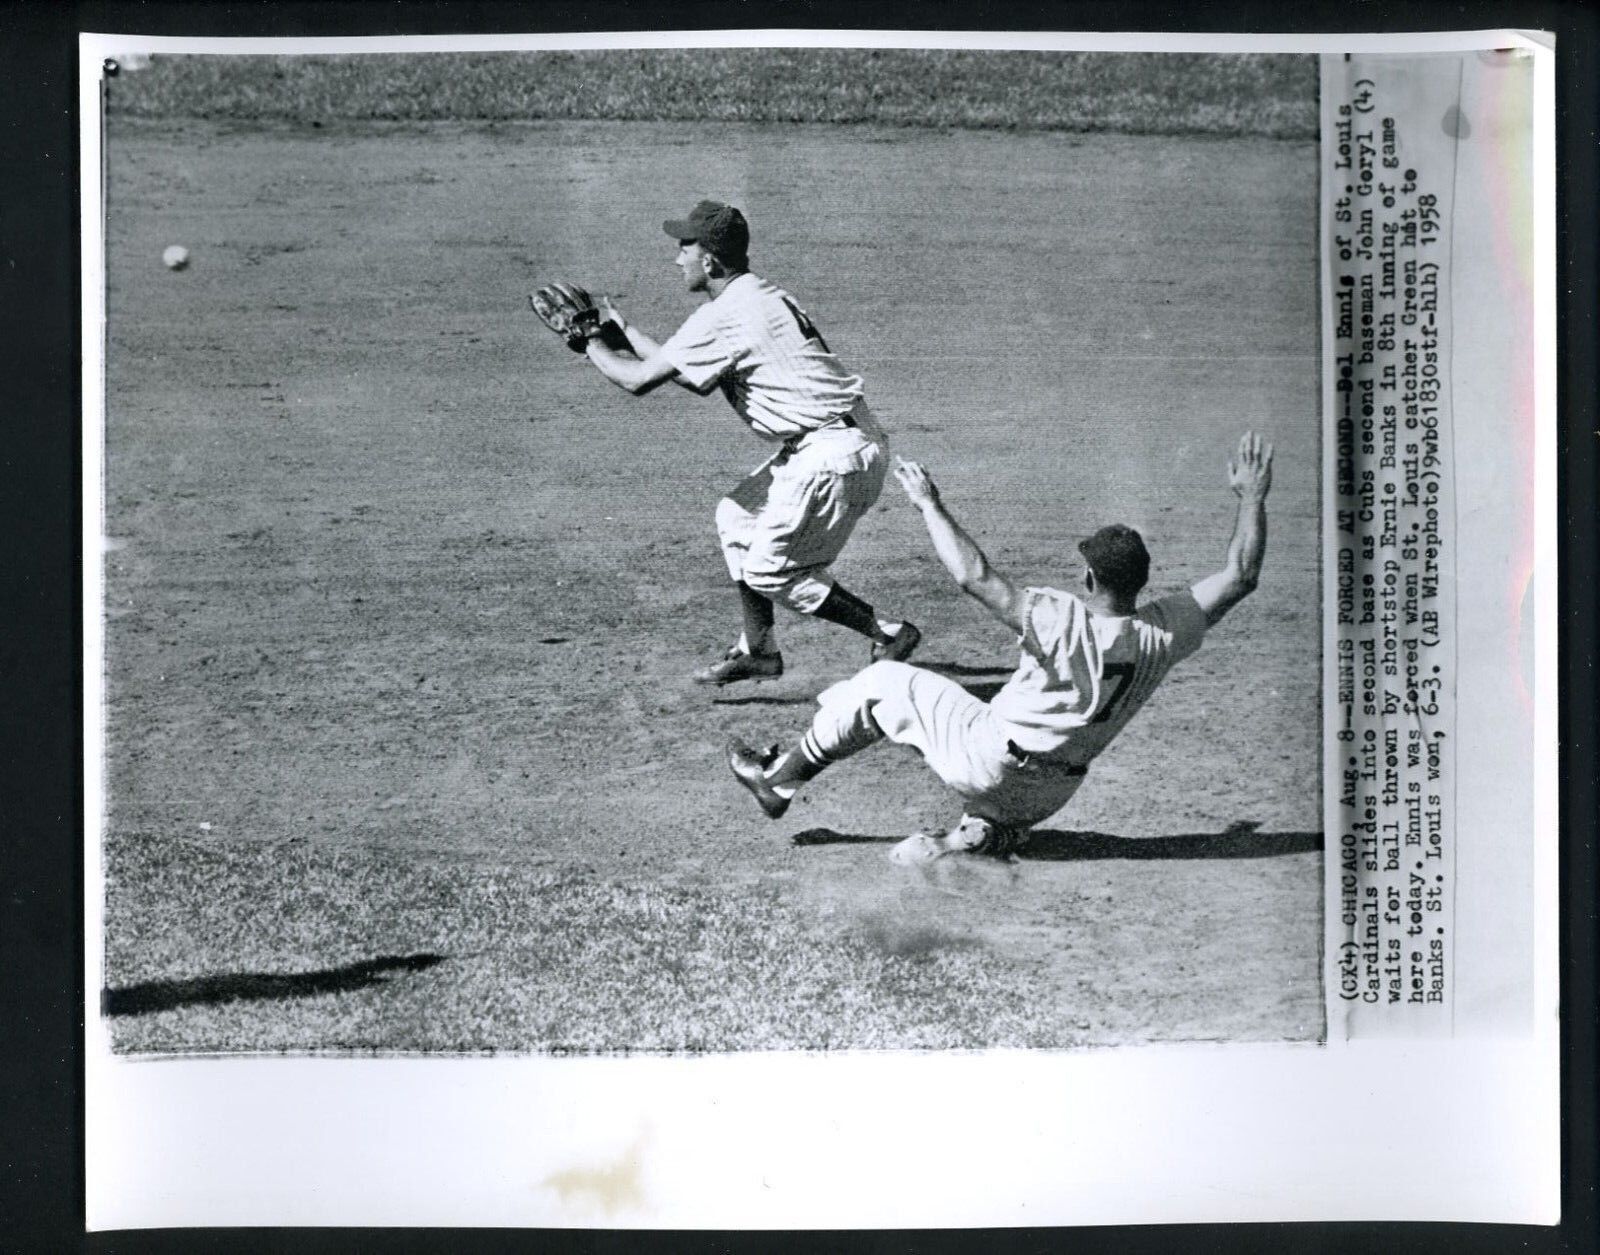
x=1089 y=661
x=785 y=524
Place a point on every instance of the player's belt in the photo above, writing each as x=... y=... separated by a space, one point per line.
x=791 y=443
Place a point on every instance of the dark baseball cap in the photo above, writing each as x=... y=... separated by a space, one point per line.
x=1118 y=558
x=719 y=229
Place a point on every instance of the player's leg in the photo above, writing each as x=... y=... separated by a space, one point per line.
x=755 y=654
x=812 y=509
x=843 y=500
x=838 y=731
x=758 y=615
x=892 y=639
x=952 y=729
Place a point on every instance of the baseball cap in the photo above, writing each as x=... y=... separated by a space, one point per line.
x=719 y=229
x=1118 y=558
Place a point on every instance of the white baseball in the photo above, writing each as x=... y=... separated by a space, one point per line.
x=176 y=257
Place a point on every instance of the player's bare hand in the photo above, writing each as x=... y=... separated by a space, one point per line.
x=609 y=312
x=1250 y=468
x=918 y=485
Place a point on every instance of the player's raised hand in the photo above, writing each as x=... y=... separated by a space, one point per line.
x=917 y=483
x=1250 y=469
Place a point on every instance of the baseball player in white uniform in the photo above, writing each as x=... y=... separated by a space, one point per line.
x=1089 y=661
x=786 y=523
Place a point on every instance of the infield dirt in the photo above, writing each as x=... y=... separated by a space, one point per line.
x=388 y=570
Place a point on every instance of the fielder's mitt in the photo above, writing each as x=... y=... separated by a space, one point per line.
x=568 y=311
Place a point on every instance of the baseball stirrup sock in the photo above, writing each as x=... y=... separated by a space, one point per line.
x=757 y=613
x=843 y=607
x=793 y=770
x=844 y=741
x=807 y=761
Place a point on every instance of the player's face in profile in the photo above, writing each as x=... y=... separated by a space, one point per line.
x=692 y=261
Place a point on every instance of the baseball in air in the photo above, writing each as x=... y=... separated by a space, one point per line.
x=176 y=257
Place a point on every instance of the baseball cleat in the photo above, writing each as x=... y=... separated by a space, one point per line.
x=898 y=647
x=737 y=665
x=976 y=835
x=749 y=769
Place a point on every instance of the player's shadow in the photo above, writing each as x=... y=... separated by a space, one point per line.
x=165 y=995
x=756 y=699
x=1240 y=840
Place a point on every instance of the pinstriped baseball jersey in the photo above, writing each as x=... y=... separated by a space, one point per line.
x=773 y=366
x=1084 y=675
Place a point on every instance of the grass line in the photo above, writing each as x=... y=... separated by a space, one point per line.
x=1134 y=93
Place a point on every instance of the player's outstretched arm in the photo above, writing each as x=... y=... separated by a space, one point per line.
x=1250 y=478
x=644 y=371
x=967 y=565
x=630 y=373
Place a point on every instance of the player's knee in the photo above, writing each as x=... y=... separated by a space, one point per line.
x=800 y=591
x=769 y=583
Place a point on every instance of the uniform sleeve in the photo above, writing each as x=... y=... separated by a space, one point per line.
x=1047 y=618
x=702 y=349
x=1181 y=616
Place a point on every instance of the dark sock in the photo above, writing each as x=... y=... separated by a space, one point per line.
x=794 y=769
x=758 y=619
x=843 y=607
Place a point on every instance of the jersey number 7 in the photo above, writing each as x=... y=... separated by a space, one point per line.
x=1121 y=673
x=807 y=328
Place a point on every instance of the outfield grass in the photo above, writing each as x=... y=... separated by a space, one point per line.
x=358 y=950
x=1172 y=94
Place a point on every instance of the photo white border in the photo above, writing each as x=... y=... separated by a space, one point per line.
x=857 y=1140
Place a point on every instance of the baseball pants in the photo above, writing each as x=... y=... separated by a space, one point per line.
x=959 y=736
x=788 y=521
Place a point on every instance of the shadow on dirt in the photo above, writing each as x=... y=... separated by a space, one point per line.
x=164 y=995
x=827 y=836
x=1240 y=840
x=762 y=701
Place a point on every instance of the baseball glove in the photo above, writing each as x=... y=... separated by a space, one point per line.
x=568 y=311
